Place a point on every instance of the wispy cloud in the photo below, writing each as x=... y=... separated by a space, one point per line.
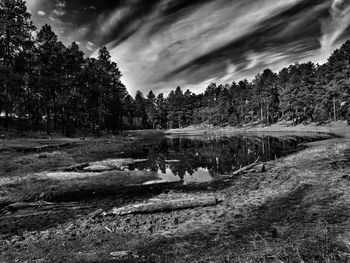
x=198 y=32
x=59 y=12
x=41 y=13
x=90 y=46
x=160 y=44
x=61 y=3
x=334 y=26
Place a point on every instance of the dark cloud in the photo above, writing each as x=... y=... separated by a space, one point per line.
x=296 y=30
x=160 y=44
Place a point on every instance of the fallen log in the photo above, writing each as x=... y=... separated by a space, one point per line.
x=245 y=168
x=95 y=213
x=24 y=205
x=103 y=166
x=163 y=205
x=76 y=167
x=43 y=205
x=98 y=168
x=40 y=148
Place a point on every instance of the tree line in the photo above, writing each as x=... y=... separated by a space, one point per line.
x=304 y=92
x=45 y=85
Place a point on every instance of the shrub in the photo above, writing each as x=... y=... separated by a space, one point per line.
x=320 y=115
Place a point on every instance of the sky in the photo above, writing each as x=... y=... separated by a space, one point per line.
x=162 y=44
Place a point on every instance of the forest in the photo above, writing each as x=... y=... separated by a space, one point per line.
x=47 y=86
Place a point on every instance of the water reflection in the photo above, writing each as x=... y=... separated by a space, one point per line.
x=203 y=159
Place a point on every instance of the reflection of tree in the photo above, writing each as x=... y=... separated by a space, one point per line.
x=219 y=155
x=161 y=163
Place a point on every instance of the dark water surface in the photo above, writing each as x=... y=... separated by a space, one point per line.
x=199 y=159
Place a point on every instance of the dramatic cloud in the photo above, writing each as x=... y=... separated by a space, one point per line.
x=161 y=44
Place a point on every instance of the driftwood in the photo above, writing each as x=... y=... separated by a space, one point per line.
x=160 y=205
x=44 y=206
x=40 y=148
x=95 y=213
x=245 y=168
x=76 y=167
x=24 y=205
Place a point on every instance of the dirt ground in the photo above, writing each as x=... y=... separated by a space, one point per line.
x=296 y=211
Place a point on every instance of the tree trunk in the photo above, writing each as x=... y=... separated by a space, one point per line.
x=48 y=121
x=334 y=110
x=62 y=122
x=7 y=118
x=261 y=112
x=267 y=114
x=55 y=122
x=245 y=168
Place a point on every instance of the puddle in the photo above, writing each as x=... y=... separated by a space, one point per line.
x=205 y=159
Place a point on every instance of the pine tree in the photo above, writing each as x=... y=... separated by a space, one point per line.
x=49 y=63
x=15 y=41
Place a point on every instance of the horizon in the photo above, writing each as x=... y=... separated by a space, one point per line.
x=159 y=45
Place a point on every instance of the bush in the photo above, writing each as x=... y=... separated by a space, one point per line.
x=320 y=115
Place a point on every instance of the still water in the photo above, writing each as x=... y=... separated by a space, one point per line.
x=207 y=158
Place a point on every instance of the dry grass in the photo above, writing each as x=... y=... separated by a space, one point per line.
x=298 y=211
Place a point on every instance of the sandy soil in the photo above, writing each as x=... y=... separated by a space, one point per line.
x=296 y=211
x=338 y=128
